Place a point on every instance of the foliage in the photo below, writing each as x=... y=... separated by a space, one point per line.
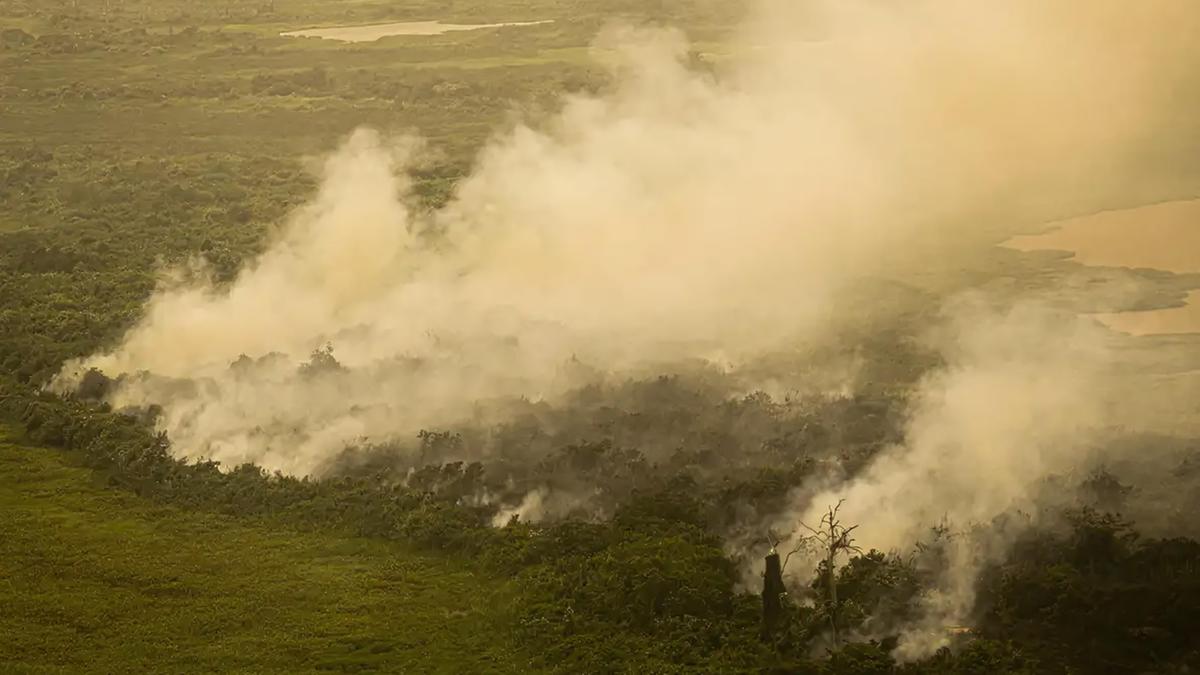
x=141 y=136
x=99 y=580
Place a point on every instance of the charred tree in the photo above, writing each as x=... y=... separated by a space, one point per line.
x=772 y=595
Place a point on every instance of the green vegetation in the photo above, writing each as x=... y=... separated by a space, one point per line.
x=139 y=133
x=98 y=580
x=136 y=134
x=651 y=589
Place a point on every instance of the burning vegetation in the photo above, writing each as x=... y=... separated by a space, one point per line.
x=696 y=301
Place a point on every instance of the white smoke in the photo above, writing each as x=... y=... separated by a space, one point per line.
x=680 y=215
x=1021 y=397
x=718 y=216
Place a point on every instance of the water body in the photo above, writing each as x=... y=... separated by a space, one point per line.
x=1160 y=236
x=382 y=30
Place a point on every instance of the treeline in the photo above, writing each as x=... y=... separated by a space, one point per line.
x=652 y=588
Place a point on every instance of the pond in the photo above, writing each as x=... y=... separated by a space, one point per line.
x=376 y=31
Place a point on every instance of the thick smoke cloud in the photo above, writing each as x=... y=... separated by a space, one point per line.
x=680 y=215
x=1016 y=401
x=716 y=214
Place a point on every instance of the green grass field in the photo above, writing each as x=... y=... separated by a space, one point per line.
x=97 y=580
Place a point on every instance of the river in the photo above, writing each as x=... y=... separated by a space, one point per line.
x=1160 y=236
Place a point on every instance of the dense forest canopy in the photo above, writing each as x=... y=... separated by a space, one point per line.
x=613 y=306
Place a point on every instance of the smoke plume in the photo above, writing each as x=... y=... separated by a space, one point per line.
x=717 y=214
x=1016 y=401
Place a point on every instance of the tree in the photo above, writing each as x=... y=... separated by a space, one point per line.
x=1104 y=491
x=321 y=361
x=830 y=538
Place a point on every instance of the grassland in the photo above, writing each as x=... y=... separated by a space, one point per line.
x=93 y=579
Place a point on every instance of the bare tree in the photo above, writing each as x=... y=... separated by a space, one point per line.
x=831 y=538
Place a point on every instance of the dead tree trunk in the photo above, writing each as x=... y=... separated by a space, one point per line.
x=772 y=595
